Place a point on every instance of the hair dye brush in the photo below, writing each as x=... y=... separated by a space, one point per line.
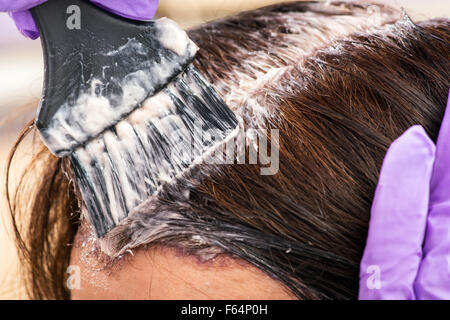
x=123 y=101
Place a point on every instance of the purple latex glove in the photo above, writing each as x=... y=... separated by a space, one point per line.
x=408 y=246
x=18 y=10
x=433 y=279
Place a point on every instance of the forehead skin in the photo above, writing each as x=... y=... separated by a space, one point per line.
x=164 y=273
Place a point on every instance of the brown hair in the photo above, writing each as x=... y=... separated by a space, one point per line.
x=45 y=216
x=339 y=97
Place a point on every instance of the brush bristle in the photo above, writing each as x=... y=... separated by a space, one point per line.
x=158 y=142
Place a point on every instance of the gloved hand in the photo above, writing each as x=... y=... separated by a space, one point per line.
x=407 y=255
x=18 y=10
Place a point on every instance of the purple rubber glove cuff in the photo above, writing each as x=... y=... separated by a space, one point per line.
x=18 y=10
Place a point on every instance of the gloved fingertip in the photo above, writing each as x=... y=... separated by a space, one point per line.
x=33 y=35
x=412 y=150
x=25 y=24
x=413 y=141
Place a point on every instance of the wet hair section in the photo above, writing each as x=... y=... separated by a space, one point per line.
x=339 y=81
x=245 y=55
x=324 y=75
x=302 y=68
x=258 y=50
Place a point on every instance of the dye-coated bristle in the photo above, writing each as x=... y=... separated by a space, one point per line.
x=156 y=143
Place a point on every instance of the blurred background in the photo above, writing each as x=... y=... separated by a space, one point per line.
x=21 y=70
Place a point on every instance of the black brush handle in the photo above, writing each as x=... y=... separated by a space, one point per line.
x=86 y=53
